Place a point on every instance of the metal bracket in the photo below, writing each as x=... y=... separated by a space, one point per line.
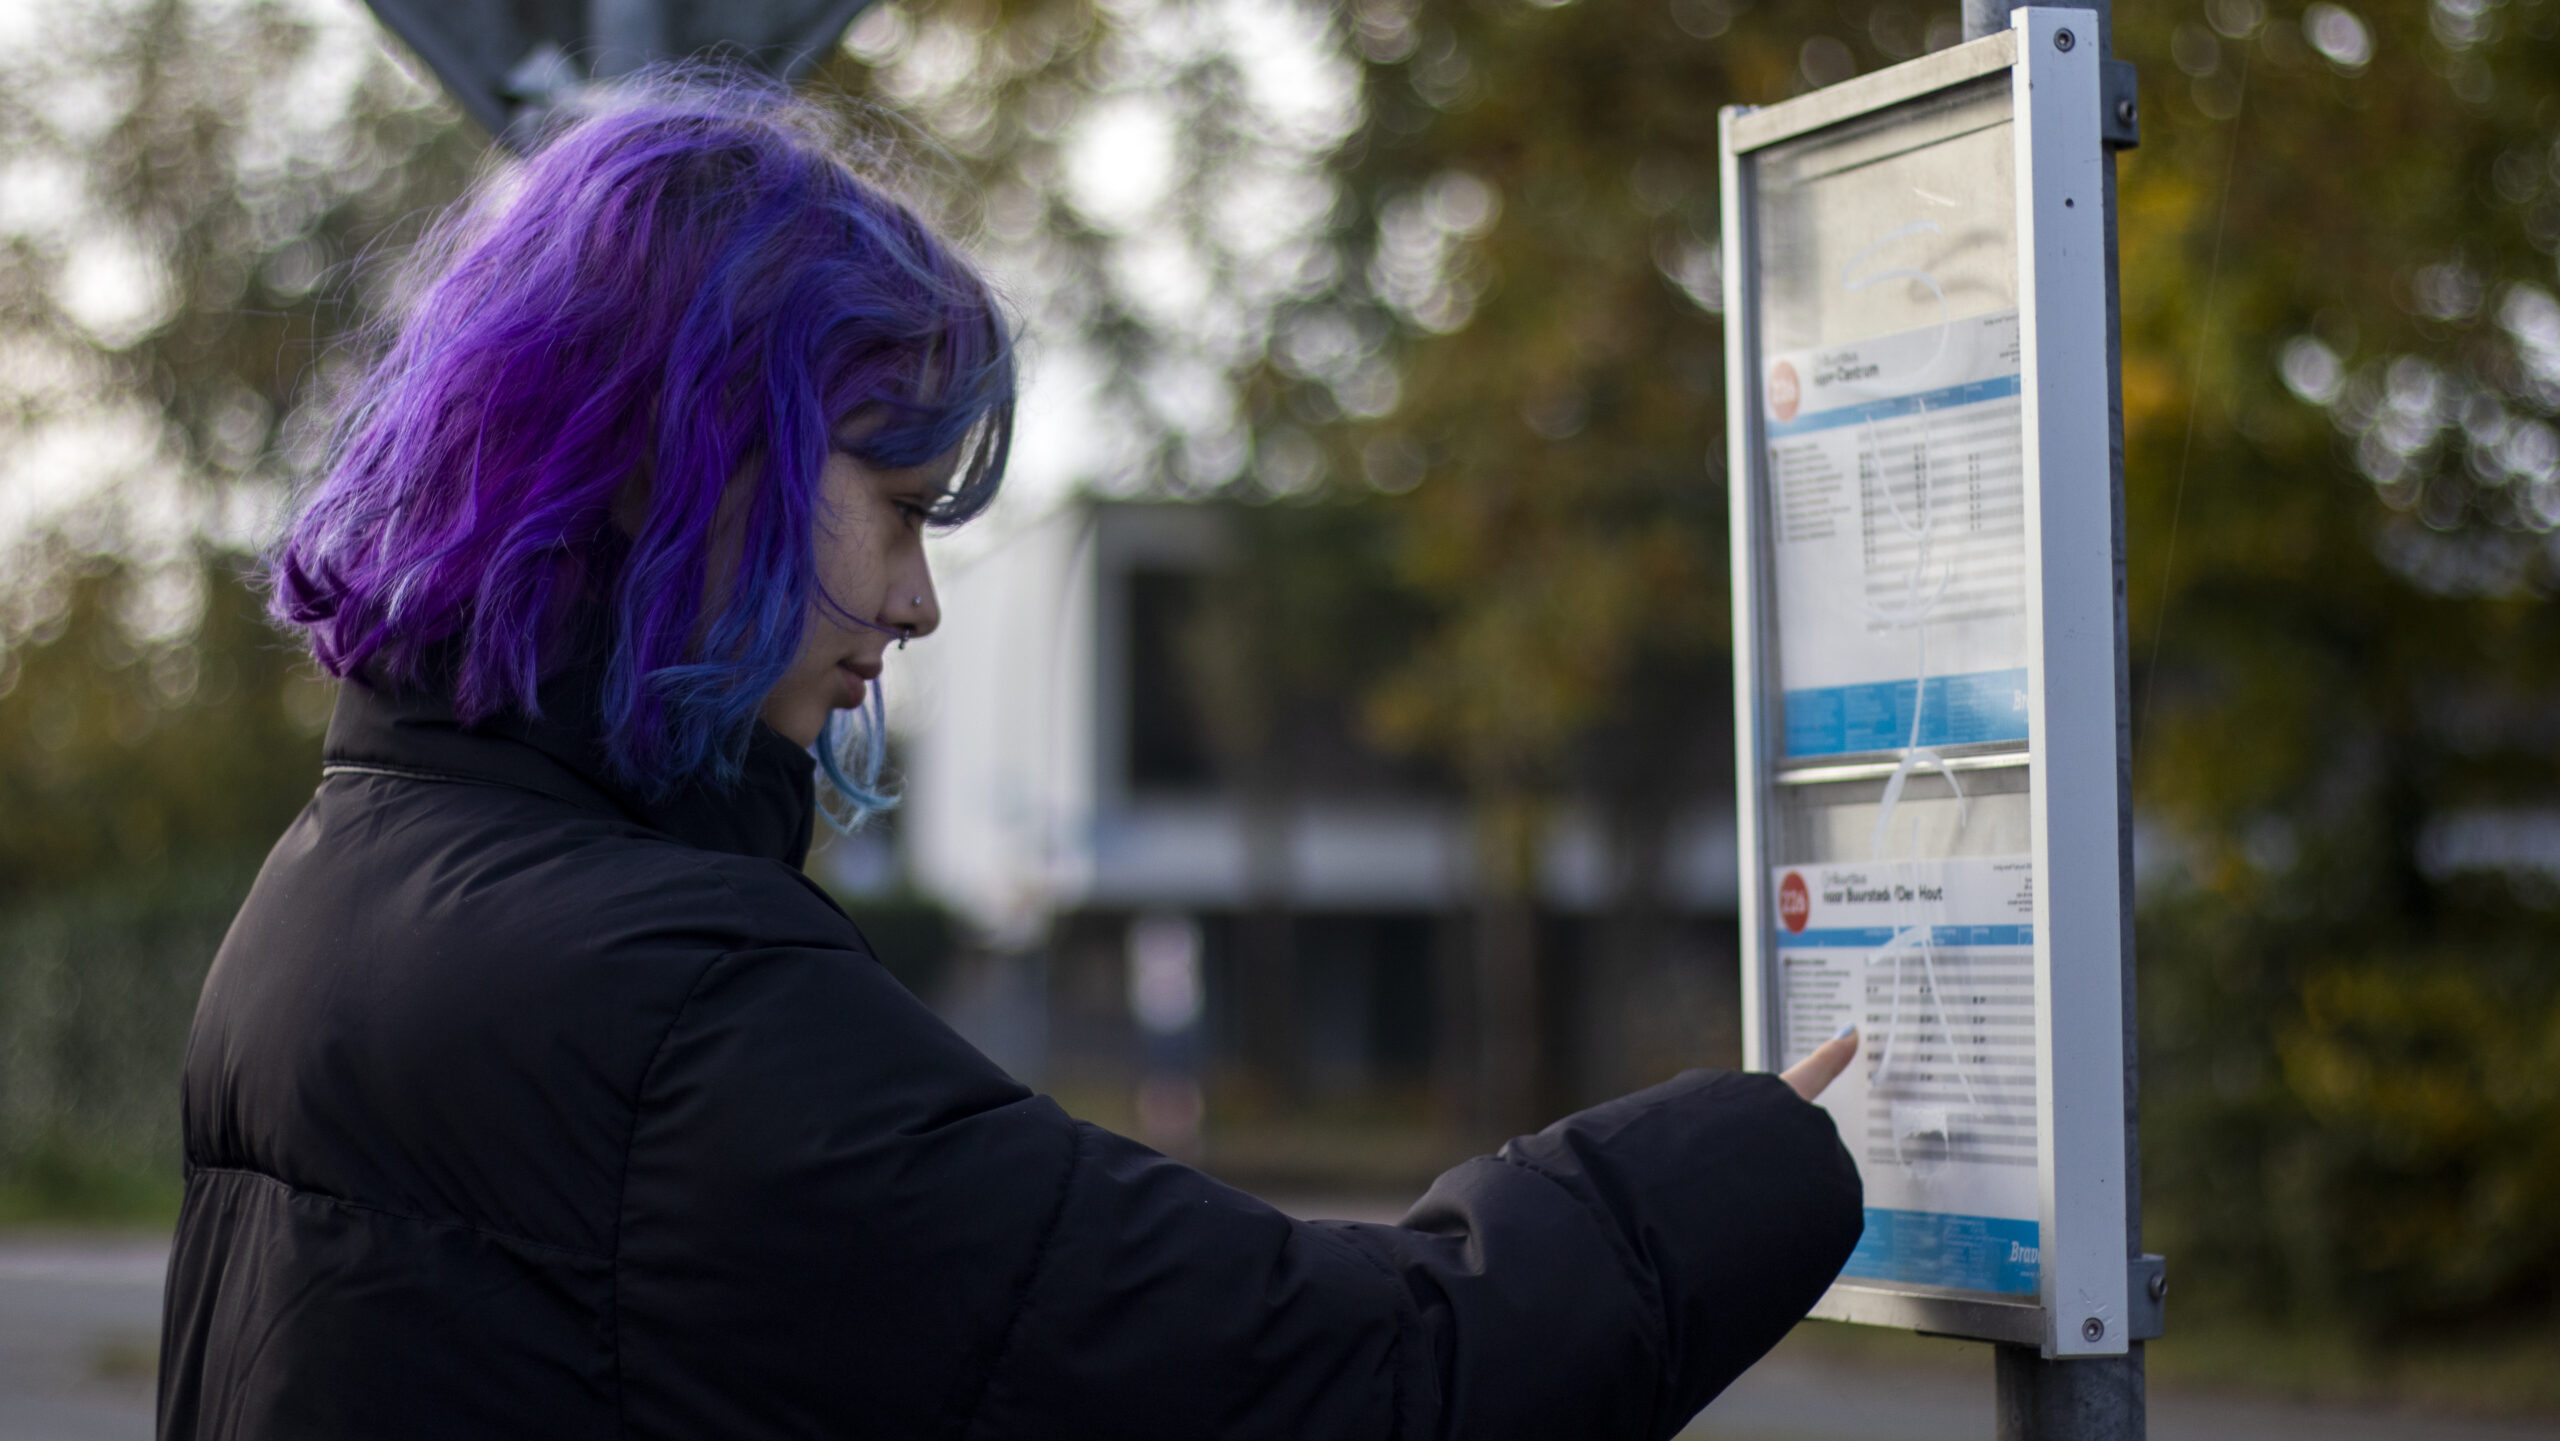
x=2119 y=105
x=2146 y=1294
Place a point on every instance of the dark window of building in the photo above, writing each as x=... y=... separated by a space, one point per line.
x=1168 y=741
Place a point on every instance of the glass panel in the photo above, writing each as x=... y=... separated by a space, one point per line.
x=1837 y=821
x=1889 y=344
x=1894 y=480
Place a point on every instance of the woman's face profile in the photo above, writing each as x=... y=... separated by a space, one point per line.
x=871 y=562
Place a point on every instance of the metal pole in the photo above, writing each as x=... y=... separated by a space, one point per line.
x=2098 y=1398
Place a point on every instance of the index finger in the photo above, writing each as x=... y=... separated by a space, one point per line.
x=1815 y=1073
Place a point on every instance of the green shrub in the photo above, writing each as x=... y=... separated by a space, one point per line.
x=97 y=989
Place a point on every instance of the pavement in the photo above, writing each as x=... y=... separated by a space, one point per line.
x=79 y=1318
x=79 y=1336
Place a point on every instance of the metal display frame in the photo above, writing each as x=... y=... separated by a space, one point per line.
x=2089 y=1300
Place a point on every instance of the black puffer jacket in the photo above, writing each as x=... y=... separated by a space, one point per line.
x=518 y=1107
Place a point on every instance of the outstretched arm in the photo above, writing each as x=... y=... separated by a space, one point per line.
x=840 y=1219
x=1604 y=1278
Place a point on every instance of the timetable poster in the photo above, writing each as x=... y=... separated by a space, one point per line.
x=1935 y=962
x=1897 y=480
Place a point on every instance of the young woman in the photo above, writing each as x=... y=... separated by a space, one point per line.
x=536 y=1093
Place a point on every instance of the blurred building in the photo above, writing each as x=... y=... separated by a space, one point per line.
x=1153 y=920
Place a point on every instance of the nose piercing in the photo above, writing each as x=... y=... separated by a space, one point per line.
x=916 y=601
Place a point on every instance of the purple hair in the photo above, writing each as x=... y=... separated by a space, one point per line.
x=688 y=284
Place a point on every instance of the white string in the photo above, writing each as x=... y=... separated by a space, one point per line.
x=1913 y=614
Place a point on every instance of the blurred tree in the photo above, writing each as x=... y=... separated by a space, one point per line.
x=190 y=201
x=2342 y=367
x=140 y=784
x=1151 y=198
x=196 y=193
x=1151 y=180
x=125 y=758
x=1533 y=233
x=1148 y=181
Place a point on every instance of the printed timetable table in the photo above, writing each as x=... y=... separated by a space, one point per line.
x=1935 y=963
x=1900 y=529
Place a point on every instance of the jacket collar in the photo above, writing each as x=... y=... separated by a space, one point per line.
x=768 y=812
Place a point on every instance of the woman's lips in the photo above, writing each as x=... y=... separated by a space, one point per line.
x=855 y=675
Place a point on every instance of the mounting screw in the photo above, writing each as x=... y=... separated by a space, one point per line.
x=2064 y=40
x=2159 y=1285
x=2124 y=112
x=2092 y=1329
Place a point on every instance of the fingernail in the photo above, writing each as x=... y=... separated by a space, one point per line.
x=1847 y=1028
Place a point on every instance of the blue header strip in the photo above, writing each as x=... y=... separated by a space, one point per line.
x=1861 y=938
x=1998 y=387
x=1932 y=1248
x=1867 y=938
x=1984 y=936
x=1988 y=705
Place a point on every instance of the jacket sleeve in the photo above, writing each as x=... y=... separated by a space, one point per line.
x=839 y=1219
x=1613 y=1273
x=1603 y=1278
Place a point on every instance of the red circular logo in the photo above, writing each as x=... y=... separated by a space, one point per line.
x=1784 y=391
x=1795 y=903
